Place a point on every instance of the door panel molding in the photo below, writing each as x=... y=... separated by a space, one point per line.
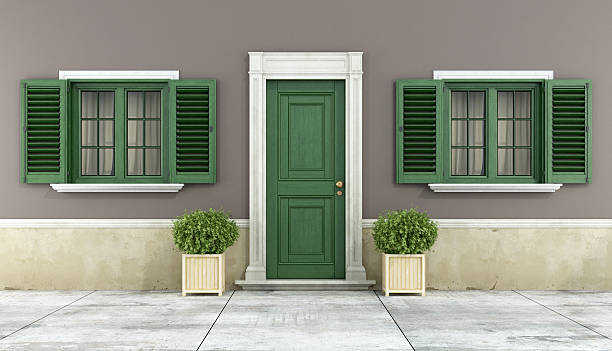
x=345 y=66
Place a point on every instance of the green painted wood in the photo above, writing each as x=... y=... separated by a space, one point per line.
x=305 y=158
x=43 y=131
x=568 y=131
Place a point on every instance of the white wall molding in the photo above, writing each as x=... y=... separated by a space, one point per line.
x=494 y=188
x=96 y=223
x=172 y=75
x=493 y=74
x=514 y=223
x=117 y=188
x=304 y=65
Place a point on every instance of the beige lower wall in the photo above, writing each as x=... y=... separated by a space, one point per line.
x=142 y=259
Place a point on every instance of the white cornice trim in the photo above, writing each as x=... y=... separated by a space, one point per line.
x=172 y=75
x=493 y=74
x=514 y=223
x=97 y=223
x=117 y=188
x=494 y=188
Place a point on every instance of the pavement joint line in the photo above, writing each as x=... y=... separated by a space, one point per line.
x=47 y=315
x=564 y=316
x=219 y=315
x=394 y=321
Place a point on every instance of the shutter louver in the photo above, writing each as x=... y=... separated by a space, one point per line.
x=418 y=111
x=568 y=120
x=43 y=120
x=193 y=130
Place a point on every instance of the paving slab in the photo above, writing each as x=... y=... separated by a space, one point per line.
x=305 y=320
x=487 y=320
x=19 y=308
x=123 y=320
x=590 y=308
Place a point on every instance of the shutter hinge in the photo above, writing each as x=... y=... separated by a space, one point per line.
x=210 y=129
x=587 y=128
x=401 y=129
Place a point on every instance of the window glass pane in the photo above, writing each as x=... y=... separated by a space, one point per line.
x=459 y=161
x=152 y=162
x=135 y=133
x=89 y=104
x=476 y=132
x=459 y=104
x=522 y=158
x=89 y=161
x=135 y=104
x=135 y=161
x=152 y=104
x=152 y=133
x=477 y=159
x=504 y=161
x=107 y=162
x=89 y=131
x=522 y=136
x=106 y=132
x=504 y=132
x=107 y=104
x=459 y=133
x=476 y=104
x=522 y=104
x=505 y=104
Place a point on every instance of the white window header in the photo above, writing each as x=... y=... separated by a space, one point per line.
x=172 y=75
x=493 y=74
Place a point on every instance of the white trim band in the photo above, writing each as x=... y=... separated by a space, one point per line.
x=493 y=74
x=97 y=223
x=117 y=188
x=514 y=223
x=172 y=75
x=494 y=188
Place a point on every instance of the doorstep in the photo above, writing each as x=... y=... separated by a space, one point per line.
x=305 y=284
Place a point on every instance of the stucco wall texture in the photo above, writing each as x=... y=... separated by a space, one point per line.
x=210 y=39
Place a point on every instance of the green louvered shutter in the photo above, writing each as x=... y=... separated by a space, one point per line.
x=568 y=131
x=43 y=131
x=192 y=131
x=418 y=137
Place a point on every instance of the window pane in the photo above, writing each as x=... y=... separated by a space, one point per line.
x=459 y=161
x=135 y=133
x=476 y=104
x=106 y=132
x=89 y=133
x=504 y=133
x=135 y=104
x=476 y=161
x=152 y=162
x=153 y=104
x=134 y=161
x=522 y=136
x=107 y=104
x=476 y=132
x=89 y=104
x=505 y=104
x=152 y=133
x=504 y=161
x=107 y=162
x=522 y=158
x=89 y=161
x=459 y=104
x=459 y=133
x=523 y=104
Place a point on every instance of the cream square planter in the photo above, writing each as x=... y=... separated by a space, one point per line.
x=403 y=274
x=204 y=274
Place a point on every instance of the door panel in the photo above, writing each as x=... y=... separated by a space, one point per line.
x=305 y=158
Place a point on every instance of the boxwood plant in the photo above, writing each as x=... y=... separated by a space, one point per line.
x=404 y=232
x=204 y=232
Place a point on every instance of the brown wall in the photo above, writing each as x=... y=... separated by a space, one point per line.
x=210 y=39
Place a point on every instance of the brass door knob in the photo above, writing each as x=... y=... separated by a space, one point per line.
x=339 y=193
x=339 y=184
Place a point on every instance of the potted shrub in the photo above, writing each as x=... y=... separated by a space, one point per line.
x=402 y=237
x=204 y=236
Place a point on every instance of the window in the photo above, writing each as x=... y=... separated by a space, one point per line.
x=504 y=131
x=123 y=131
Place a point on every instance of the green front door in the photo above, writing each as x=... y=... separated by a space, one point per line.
x=305 y=160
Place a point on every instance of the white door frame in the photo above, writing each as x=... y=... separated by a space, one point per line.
x=304 y=65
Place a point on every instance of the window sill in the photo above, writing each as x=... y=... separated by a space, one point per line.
x=495 y=188
x=117 y=188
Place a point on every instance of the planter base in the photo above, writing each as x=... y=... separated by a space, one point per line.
x=403 y=274
x=203 y=274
